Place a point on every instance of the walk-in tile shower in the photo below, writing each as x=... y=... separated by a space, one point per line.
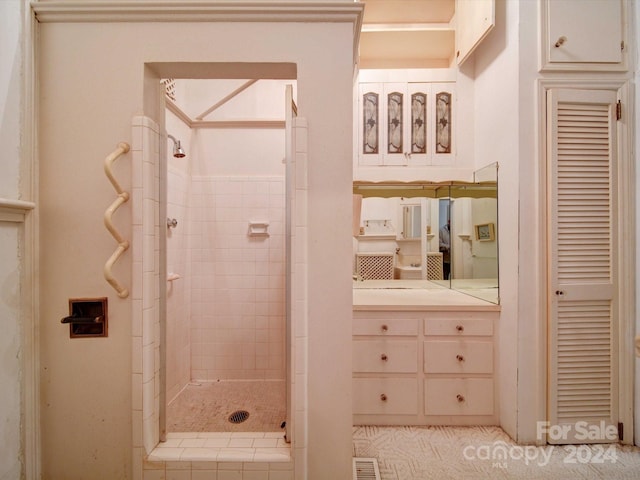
x=226 y=279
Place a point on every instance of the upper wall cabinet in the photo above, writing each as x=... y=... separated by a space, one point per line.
x=584 y=36
x=474 y=20
x=407 y=34
x=406 y=124
x=422 y=33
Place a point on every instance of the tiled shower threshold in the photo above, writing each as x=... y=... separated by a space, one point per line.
x=222 y=447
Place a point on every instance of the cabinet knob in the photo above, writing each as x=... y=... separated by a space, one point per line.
x=560 y=41
x=460 y=358
x=384 y=328
x=460 y=398
x=460 y=328
x=384 y=357
x=383 y=397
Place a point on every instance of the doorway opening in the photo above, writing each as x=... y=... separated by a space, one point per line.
x=226 y=255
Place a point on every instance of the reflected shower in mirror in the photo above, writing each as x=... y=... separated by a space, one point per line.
x=430 y=235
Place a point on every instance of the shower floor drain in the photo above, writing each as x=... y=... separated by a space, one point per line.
x=238 y=416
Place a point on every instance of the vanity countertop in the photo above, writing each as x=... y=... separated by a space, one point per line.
x=435 y=299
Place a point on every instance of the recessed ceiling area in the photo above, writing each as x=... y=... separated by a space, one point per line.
x=407 y=34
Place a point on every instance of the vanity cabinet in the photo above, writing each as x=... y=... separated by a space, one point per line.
x=584 y=39
x=458 y=364
x=407 y=124
x=385 y=366
x=424 y=367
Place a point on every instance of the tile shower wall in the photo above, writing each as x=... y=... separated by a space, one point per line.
x=178 y=361
x=145 y=291
x=238 y=280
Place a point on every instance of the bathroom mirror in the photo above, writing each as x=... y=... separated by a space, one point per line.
x=419 y=216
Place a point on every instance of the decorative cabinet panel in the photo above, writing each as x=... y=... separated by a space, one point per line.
x=464 y=324
x=385 y=356
x=385 y=396
x=406 y=123
x=458 y=396
x=584 y=36
x=456 y=356
x=437 y=369
x=385 y=327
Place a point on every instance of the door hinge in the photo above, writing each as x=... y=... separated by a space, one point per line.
x=620 y=431
x=622 y=46
x=619 y=110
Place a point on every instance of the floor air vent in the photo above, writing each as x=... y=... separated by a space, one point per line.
x=238 y=416
x=365 y=469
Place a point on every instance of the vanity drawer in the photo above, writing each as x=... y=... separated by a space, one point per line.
x=385 y=326
x=385 y=356
x=397 y=396
x=459 y=325
x=458 y=356
x=458 y=396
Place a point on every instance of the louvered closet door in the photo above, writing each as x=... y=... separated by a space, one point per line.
x=582 y=274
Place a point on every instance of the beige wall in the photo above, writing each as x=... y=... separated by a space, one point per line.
x=91 y=85
x=11 y=234
x=497 y=127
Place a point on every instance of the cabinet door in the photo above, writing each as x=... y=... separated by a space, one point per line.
x=444 y=120
x=419 y=103
x=406 y=124
x=583 y=35
x=396 y=124
x=475 y=19
x=370 y=106
x=582 y=224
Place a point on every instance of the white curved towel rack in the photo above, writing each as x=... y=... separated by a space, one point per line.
x=123 y=244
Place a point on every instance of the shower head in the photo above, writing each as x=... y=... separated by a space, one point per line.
x=178 y=152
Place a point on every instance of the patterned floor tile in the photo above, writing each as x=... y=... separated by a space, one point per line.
x=478 y=453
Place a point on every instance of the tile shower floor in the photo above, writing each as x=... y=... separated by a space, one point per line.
x=478 y=453
x=206 y=407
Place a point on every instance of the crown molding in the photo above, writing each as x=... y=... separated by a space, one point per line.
x=196 y=11
x=75 y=11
